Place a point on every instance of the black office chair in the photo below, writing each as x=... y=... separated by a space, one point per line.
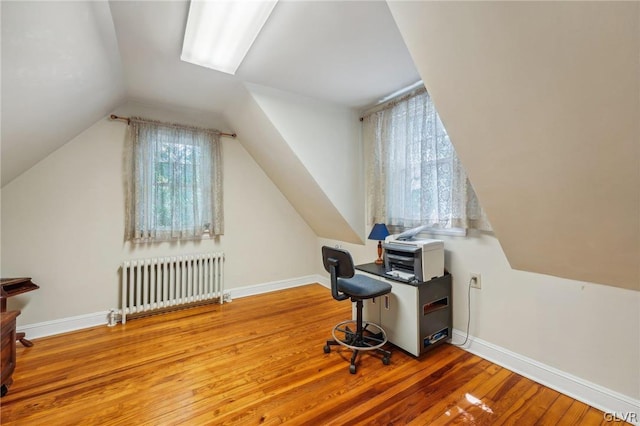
x=366 y=336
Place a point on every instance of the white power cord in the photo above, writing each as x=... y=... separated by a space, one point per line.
x=468 y=316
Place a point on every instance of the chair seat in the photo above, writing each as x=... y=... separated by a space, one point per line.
x=363 y=287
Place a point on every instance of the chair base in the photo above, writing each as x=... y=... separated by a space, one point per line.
x=367 y=337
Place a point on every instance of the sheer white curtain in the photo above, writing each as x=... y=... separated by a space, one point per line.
x=414 y=176
x=174 y=182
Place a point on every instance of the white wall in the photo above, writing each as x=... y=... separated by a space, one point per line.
x=588 y=330
x=264 y=140
x=62 y=223
x=55 y=56
x=326 y=139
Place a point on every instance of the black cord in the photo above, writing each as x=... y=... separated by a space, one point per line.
x=468 y=316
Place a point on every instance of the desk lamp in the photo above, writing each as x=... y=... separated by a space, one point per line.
x=379 y=232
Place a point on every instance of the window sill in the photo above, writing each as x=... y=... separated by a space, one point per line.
x=451 y=232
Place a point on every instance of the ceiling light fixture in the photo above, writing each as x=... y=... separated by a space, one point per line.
x=219 y=33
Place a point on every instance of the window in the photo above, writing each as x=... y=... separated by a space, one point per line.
x=175 y=185
x=414 y=176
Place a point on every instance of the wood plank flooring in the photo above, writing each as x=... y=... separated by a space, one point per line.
x=259 y=360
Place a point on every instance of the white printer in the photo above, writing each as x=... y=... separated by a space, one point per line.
x=411 y=259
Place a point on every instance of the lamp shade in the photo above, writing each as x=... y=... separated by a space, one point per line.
x=379 y=232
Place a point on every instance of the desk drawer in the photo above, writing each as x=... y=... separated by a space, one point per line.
x=435 y=289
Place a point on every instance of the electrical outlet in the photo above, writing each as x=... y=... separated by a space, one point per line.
x=475 y=280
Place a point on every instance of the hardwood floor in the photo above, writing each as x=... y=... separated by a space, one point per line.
x=259 y=360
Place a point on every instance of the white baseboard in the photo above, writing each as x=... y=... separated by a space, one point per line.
x=63 y=325
x=275 y=285
x=582 y=390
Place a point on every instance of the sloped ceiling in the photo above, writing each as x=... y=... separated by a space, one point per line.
x=67 y=64
x=150 y=38
x=61 y=72
x=97 y=55
x=542 y=102
x=267 y=142
x=326 y=139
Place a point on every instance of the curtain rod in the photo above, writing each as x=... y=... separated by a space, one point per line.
x=393 y=98
x=128 y=120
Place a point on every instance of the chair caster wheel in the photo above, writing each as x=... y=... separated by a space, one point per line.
x=326 y=349
x=352 y=369
x=386 y=360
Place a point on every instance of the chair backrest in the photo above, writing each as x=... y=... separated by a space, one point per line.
x=339 y=264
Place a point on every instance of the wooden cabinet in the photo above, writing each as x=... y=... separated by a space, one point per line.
x=416 y=316
x=8 y=348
